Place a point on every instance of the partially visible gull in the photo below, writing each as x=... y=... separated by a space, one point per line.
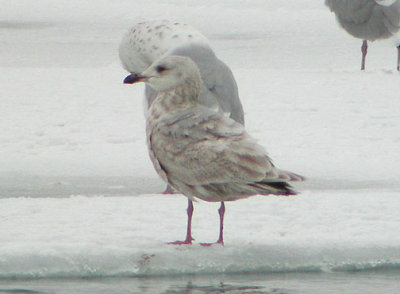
x=368 y=20
x=198 y=151
x=148 y=41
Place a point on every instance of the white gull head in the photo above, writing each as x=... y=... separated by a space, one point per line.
x=168 y=73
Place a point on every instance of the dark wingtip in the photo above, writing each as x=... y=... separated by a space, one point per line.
x=281 y=188
x=284 y=187
x=132 y=78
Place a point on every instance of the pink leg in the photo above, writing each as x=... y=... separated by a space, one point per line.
x=364 y=49
x=189 y=238
x=398 y=58
x=221 y=212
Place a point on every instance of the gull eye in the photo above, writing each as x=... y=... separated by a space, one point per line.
x=160 y=68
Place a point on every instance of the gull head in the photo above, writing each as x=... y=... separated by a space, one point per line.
x=167 y=73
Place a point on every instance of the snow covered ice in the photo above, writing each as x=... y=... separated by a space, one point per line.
x=70 y=128
x=125 y=236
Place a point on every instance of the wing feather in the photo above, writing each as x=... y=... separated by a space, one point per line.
x=202 y=147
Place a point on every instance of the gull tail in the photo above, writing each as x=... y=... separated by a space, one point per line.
x=276 y=188
x=278 y=185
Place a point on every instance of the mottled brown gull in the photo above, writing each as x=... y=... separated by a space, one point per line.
x=148 y=41
x=368 y=20
x=198 y=151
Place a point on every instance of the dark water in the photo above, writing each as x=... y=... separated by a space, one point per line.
x=383 y=282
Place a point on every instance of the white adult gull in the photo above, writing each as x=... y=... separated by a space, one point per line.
x=368 y=20
x=148 y=41
x=198 y=151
